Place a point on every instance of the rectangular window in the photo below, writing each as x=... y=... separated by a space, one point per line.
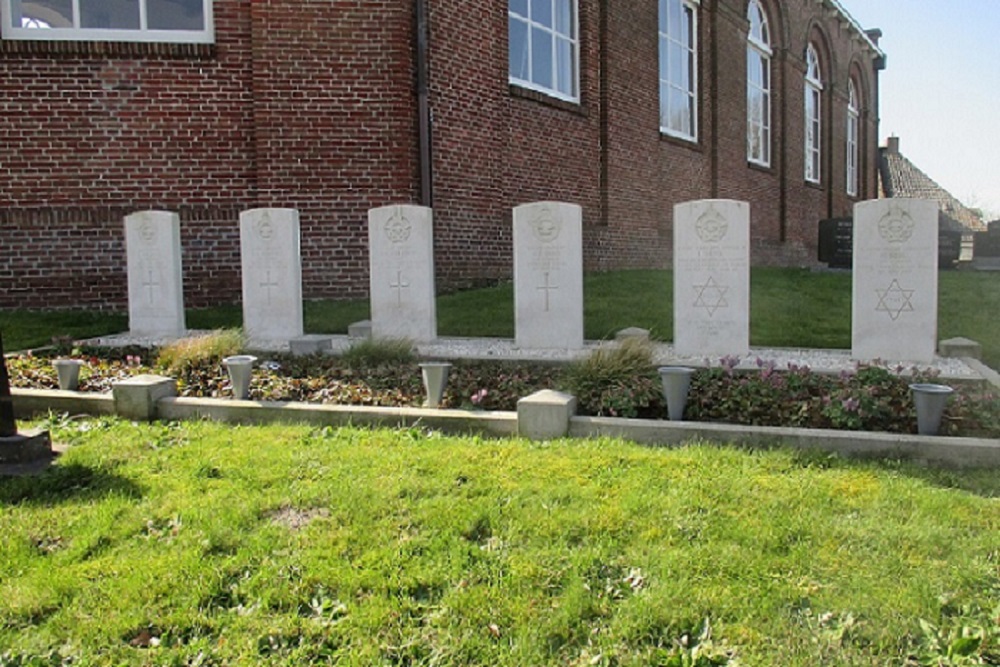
x=178 y=21
x=758 y=108
x=679 y=68
x=813 y=136
x=852 y=152
x=543 y=48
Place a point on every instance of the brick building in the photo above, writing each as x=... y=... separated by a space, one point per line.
x=210 y=107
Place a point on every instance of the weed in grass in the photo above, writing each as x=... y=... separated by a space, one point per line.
x=380 y=352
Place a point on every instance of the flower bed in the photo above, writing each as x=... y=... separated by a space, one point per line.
x=873 y=398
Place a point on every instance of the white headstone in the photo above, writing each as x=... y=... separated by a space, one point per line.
x=155 y=277
x=272 y=273
x=895 y=280
x=548 y=275
x=712 y=278
x=401 y=257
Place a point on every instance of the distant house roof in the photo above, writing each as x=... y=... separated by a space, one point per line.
x=898 y=177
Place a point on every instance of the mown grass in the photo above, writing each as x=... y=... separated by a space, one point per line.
x=788 y=308
x=198 y=543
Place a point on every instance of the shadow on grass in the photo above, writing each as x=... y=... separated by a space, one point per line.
x=982 y=482
x=66 y=484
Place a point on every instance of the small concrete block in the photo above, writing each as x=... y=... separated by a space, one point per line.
x=30 y=445
x=311 y=344
x=362 y=329
x=960 y=347
x=633 y=332
x=136 y=397
x=545 y=414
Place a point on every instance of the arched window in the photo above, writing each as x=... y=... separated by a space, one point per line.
x=853 y=116
x=679 y=68
x=813 y=115
x=758 y=86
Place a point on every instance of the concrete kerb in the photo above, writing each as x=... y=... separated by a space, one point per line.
x=956 y=452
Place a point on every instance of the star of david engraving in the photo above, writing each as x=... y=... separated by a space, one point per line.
x=711 y=296
x=895 y=300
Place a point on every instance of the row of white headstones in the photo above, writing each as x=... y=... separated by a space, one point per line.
x=894 y=301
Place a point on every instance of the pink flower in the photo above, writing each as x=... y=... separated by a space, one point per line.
x=478 y=397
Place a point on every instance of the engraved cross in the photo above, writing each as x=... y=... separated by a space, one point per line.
x=269 y=283
x=547 y=288
x=399 y=286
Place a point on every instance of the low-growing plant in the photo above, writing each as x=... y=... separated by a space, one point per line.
x=620 y=381
x=380 y=352
x=194 y=351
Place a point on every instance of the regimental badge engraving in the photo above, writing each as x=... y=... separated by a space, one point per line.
x=545 y=227
x=264 y=227
x=896 y=226
x=711 y=227
x=147 y=230
x=398 y=229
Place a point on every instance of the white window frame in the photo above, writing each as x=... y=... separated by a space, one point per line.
x=813 y=117
x=759 y=51
x=853 y=125
x=669 y=88
x=11 y=10
x=557 y=37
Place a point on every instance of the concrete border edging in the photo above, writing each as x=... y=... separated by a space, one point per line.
x=950 y=451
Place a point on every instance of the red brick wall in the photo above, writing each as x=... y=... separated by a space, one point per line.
x=313 y=105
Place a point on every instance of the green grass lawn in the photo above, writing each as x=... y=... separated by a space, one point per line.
x=788 y=308
x=197 y=543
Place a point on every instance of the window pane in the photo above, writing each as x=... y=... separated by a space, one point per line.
x=564 y=17
x=541 y=12
x=42 y=14
x=175 y=14
x=518 y=57
x=677 y=65
x=664 y=106
x=675 y=19
x=111 y=14
x=663 y=16
x=564 y=67
x=541 y=58
x=519 y=7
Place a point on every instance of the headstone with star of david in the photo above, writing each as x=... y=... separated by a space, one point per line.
x=271 y=261
x=895 y=280
x=712 y=278
x=155 y=276
x=401 y=278
x=548 y=275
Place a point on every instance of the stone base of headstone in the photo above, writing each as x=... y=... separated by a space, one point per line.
x=310 y=344
x=960 y=347
x=986 y=263
x=136 y=397
x=362 y=329
x=31 y=445
x=632 y=333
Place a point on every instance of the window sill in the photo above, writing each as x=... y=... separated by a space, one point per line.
x=691 y=145
x=763 y=168
x=76 y=49
x=548 y=100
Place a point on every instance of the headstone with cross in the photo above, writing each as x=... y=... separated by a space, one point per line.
x=548 y=276
x=155 y=277
x=401 y=263
x=15 y=447
x=272 y=274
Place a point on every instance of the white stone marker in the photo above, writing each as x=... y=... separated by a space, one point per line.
x=712 y=278
x=155 y=277
x=548 y=275
x=272 y=273
x=401 y=259
x=895 y=280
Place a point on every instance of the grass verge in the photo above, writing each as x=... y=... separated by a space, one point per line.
x=197 y=543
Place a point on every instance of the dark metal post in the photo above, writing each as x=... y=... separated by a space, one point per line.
x=8 y=427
